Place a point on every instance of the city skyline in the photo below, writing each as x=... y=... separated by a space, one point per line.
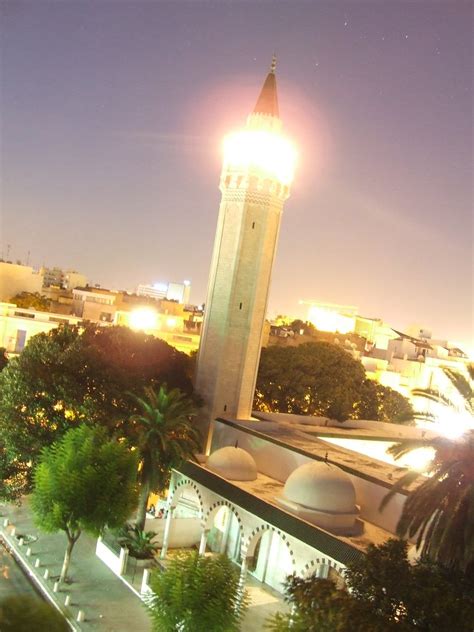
x=111 y=147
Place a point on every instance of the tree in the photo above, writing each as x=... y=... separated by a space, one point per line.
x=22 y=613
x=31 y=300
x=75 y=375
x=197 y=594
x=385 y=593
x=84 y=482
x=382 y=403
x=3 y=358
x=320 y=378
x=165 y=437
x=462 y=389
x=440 y=512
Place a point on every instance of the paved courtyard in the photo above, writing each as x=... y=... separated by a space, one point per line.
x=107 y=603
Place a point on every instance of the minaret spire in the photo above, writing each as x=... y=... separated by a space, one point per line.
x=267 y=102
x=274 y=64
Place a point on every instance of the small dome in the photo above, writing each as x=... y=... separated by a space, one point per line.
x=322 y=487
x=233 y=463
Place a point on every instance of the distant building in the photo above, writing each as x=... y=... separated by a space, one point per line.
x=67 y=279
x=96 y=304
x=18 y=325
x=171 y=291
x=16 y=278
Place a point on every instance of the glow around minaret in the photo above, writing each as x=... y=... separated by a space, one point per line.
x=266 y=153
x=257 y=171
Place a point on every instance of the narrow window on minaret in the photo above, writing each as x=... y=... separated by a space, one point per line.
x=240 y=306
x=225 y=407
x=253 y=224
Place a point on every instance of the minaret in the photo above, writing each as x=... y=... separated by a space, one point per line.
x=256 y=175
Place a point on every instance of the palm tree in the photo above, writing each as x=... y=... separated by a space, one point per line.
x=461 y=390
x=440 y=512
x=164 y=437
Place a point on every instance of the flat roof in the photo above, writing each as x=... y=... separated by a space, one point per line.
x=308 y=440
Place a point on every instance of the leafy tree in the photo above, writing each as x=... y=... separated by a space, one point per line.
x=383 y=404
x=165 y=437
x=298 y=325
x=31 y=300
x=84 y=482
x=197 y=594
x=440 y=512
x=22 y=613
x=385 y=593
x=320 y=378
x=74 y=375
x=3 y=358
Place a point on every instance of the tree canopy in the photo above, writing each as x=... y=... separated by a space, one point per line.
x=440 y=512
x=197 y=593
x=22 y=613
x=31 y=300
x=84 y=482
x=322 y=379
x=75 y=375
x=165 y=437
x=385 y=593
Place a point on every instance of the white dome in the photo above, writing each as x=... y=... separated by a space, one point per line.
x=233 y=463
x=322 y=487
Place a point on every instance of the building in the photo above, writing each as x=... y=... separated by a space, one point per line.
x=95 y=304
x=16 y=278
x=18 y=325
x=67 y=279
x=255 y=182
x=179 y=292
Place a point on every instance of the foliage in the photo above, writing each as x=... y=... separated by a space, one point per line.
x=440 y=512
x=22 y=613
x=298 y=325
x=3 y=358
x=84 y=482
x=75 y=375
x=470 y=370
x=197 y=594
x=320 y=378
x=318 y=607
x=385 y=593
x=31 y=300
x=461 y=386
x=139 y=543
x=14 y=475
x=164 y=436
x=383 y=404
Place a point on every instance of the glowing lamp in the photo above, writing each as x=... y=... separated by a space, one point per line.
x=143 y=318
x=267 y=153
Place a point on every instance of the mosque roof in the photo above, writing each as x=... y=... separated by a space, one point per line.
x=233 y=463
x=321 y=486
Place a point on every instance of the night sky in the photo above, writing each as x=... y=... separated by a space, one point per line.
x=113 y=114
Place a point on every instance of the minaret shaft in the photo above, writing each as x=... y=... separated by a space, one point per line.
x=244 y=251
x=258 y=168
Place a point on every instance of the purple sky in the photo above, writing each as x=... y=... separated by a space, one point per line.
x=112 y=116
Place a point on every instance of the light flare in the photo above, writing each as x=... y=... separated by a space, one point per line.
x=270 y=154
x=143 y=318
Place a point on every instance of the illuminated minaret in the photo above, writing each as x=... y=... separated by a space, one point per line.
x=256 y=175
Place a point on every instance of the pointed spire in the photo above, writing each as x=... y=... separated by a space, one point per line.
x=267 y=102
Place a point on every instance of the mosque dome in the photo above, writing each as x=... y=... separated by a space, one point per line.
x=233 y=463
x=321 y=487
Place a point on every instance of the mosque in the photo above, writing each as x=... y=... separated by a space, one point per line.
x=276 y=493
